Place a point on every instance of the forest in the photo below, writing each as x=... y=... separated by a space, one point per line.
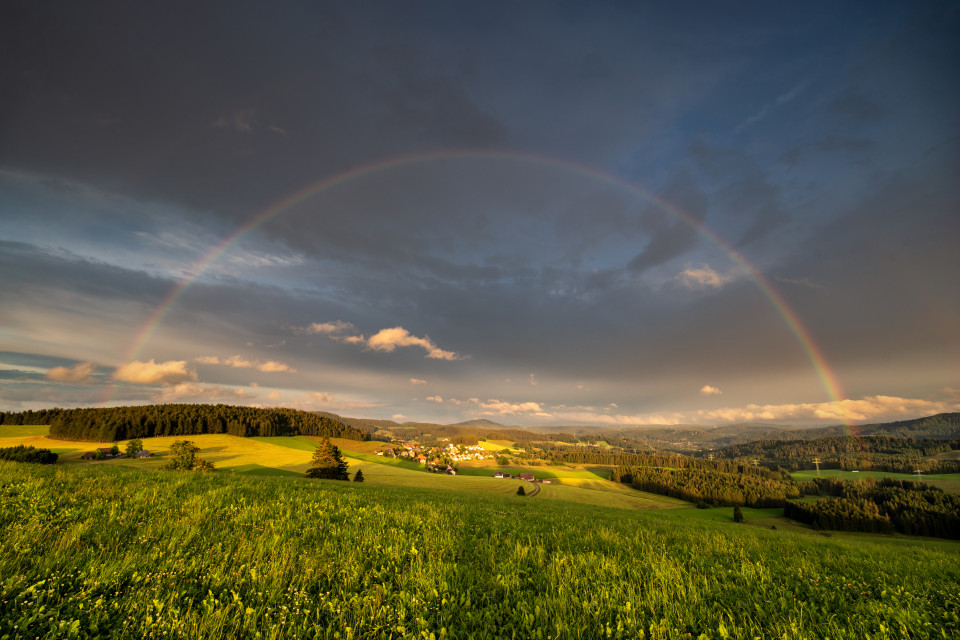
x=122 y=423
x=722 y=485
x=864 y=453
x=884 y=506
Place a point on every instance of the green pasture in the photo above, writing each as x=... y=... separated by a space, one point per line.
x=22 y=430
x=946 y=481
x=105 y=551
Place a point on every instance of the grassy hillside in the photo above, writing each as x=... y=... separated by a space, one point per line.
x=290 y=457
x=106 y=551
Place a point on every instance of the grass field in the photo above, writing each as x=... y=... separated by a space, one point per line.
x=104 y=551
x=23 y=431
x=290 y=456
x=946 y=481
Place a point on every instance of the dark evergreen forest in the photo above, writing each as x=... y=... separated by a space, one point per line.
x=122 y=423
x=884 y=506
x=723 y=484
x=21 y=453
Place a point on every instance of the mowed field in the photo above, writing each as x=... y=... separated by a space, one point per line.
x=290 y=456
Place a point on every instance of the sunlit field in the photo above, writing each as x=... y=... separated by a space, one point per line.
x=109 y=551
x=290 y=457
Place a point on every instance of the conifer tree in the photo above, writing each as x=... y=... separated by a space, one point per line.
x=737 y=514
x=328 y=463
x=520 y=491
x=358 y=476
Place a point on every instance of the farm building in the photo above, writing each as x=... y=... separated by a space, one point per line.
x=526 y=476
x=107 y=452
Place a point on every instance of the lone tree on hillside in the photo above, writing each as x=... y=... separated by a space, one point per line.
x=134 y=447
x=183 y=457
x=737 y=514
x=358 y=476
x=520 y=491
x=328 y=463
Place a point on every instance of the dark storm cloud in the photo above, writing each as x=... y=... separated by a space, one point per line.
x=32 y=273
x=820 y=141
x=672 y=237
x=745 y=192
x=235 y=105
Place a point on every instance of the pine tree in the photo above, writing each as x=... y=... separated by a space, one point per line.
x=737 y=514
x=328 y=463
x=358 y=476
x=520 y=491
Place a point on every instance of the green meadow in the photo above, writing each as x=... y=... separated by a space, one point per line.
x=946 y=481
x=124 y=549
x=109 y=551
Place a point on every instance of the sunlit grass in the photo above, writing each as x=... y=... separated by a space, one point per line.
x=110 y=552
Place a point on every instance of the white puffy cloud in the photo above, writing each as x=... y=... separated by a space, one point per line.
x=417 y=381
x=151 y=372
x=865 y=410
x=200 y=392
x=500 y=408
x=80 y=373
x=390 y=339
x=870 y=408
x=436 y=399
x=707 y=390
x=238 y=362
x=533 y=380
x=272 y=366
x=384 y=340
x=328 y=328
x=703 y=277
x=320 y=397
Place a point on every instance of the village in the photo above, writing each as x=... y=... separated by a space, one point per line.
x=443 y=458
x=437 y=459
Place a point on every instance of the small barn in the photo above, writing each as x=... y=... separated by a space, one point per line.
x=526 y=476
x=143 y=453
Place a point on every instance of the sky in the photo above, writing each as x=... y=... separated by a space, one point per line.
x=538 y=213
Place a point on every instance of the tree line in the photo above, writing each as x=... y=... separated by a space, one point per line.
x=885 y=506
x=123 y=423
x=21 y=453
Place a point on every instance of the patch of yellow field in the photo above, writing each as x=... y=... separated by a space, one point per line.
x=360 y=446
x=46 y=442
x=496 y=445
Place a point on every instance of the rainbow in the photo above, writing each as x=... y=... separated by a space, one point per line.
x=826 y=376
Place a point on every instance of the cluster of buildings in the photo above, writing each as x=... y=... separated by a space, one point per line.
x=437 y=455
x=529 y=477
